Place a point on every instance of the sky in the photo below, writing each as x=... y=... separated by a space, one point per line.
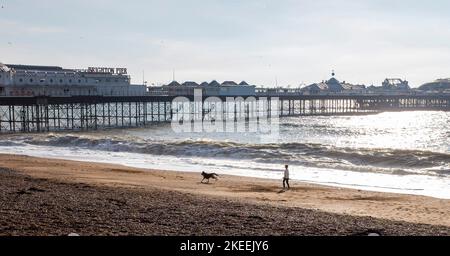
x=264 y=42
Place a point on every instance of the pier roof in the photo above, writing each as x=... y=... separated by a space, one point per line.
x=214 y=83
x=333 y=81
x=229 y=83
x=34 y=67
x=174 y=83
x=332 y=85
x=190 y=83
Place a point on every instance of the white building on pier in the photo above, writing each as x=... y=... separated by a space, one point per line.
x=31 y=81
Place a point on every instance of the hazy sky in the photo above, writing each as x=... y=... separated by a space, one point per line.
x=259 y=41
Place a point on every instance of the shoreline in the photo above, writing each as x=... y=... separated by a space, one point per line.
x=339 y=180
x=251 y=191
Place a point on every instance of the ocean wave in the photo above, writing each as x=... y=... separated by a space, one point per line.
x=391 y=161
x=8 y=143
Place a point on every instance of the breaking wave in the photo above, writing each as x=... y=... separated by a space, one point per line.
x=391 y=161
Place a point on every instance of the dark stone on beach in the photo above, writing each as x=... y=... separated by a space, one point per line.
x=369 y=232
x=33 y=189
x=29 y=191
x=23 y=192
x=255 y=217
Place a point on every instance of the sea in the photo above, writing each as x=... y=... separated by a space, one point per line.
x=397 y=152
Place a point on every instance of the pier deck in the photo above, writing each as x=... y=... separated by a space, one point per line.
x=40 y=114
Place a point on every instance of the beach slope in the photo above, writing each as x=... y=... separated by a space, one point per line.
x=57 y=197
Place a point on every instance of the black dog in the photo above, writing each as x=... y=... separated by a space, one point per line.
x=207 y=176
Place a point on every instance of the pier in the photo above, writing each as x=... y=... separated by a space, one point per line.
x=44 y=114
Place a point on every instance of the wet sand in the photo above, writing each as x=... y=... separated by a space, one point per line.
x=56 y=197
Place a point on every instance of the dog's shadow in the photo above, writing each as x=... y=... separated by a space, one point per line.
x=206 y=183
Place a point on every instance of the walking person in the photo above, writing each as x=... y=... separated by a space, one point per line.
x=286 y=177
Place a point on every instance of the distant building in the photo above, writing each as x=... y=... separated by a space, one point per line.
x=395 y=84
x=439 y=85
x=332 y=86
x=214 y=88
